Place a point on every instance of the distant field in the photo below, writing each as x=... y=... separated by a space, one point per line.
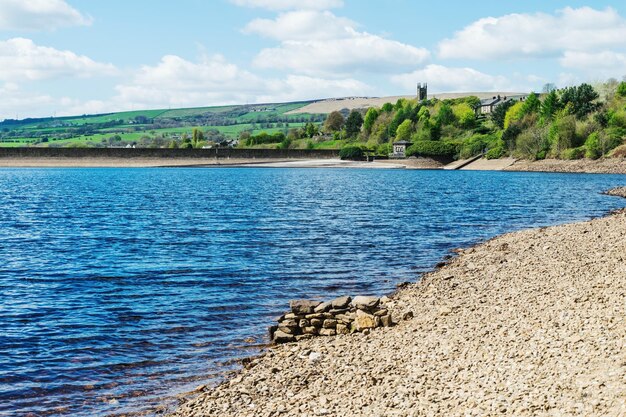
x=351 y=103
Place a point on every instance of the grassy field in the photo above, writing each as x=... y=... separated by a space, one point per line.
x=145 y=125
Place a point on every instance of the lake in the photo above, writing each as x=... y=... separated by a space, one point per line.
x=121 y=287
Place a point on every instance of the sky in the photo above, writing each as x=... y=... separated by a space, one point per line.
x=72 y=57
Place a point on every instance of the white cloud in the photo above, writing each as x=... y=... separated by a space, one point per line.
x=17 y=103
x=290 y=4
x=537 y=35
x=177 y=82
x=320 y=44
x=447 y=80
x=22 y=59
x=39 y=15
x=303 y=25
x=599 y=64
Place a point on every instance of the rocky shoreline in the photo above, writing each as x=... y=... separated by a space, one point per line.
x=528 y=323
x=589 y=166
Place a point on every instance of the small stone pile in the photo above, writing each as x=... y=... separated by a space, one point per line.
x=342 y=315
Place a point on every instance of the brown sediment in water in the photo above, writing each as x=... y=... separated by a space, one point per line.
x=527 y=323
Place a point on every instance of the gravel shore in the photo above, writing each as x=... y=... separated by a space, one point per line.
x=598 y=166
x=528 y=323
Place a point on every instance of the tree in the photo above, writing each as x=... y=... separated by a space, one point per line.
x=311 y=129
x=446 y=115
x=499 y=113
x=387 y=108
x=514 y=114
x=404 y=130
x=621 y=89
x=197 y=137
x=581 y=98
x=531 y=104
x=548 y=88
x=563 y=134
x=370 y=117
x=465 y=114
x=334 y=122
x=551 y=104
x=353 y=124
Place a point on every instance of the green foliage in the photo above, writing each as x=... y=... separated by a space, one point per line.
x=334 y=122
x=352 y=153
x=465 y=115
x=387 y=108
x=495 y=153
x=550 y=106
x=311 y=130
x=446 y=115
x=431 y=148
x=370 y=117
x=573 y=153
x=580 y=99
x=476 y=145
x=621 y=89
x=499 y=113
x=531 y=104
x=404 y=130
x=399 y=117
x=265 y=138
x=284 y=144
x=533 y=143
x=353 y=124
x=510 y=135
x=514 y=114
x=563 y=134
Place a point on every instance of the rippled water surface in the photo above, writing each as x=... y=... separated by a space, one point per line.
x=119 y=287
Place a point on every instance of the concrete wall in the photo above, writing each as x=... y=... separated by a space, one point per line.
x=218 y=153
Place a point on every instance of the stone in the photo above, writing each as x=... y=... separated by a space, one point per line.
x=365 y=303
x=290 y=316
x=363 y=321
x=315 y=357
x=342 y=329
x=329 y=324
x=303 y=306
x=345 y=318
x=314 y=316
x=328 y=332
x=386 y=321
x=384 y=299
x=323 y=307
x=380 y=313
x=341 y=302
x=304 y=323
x=336 y=311
x=288 y=329
x=407 y=316
x=317 y=322
x=281 y=337
x=303 y=337
x=288 y=323
x=271 y=330
x=310 y=330
x=444 y=311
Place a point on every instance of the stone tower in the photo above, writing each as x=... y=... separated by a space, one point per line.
x=422 y=92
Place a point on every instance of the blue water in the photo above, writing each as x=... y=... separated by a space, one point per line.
x=123 y=286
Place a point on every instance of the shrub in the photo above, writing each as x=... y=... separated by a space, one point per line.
x=573 y=153
x=431 y=148
x=495 y=153
x=532 y=143
x=475 y=145
x=351 y=153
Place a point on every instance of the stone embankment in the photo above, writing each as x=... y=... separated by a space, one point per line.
x=342 y=315
x=527 y=324
x=598 y=166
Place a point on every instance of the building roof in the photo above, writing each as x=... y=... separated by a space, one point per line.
x=402 y=142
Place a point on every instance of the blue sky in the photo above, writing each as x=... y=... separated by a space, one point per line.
x=62 y=57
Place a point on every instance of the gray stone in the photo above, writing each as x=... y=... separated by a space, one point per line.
x=336 y=311
x=281 y=337
x=341 y=302
x=381 y=313
x=365 y=303
x=328 y=332
x=288 y=329
x=330 y=324
x=386 y=321
x=323 y=307
x=303 y=306
x=288 y=323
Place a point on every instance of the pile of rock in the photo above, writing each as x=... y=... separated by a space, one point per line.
x=342 y=315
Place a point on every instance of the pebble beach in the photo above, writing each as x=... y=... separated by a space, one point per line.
x=527 y=323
